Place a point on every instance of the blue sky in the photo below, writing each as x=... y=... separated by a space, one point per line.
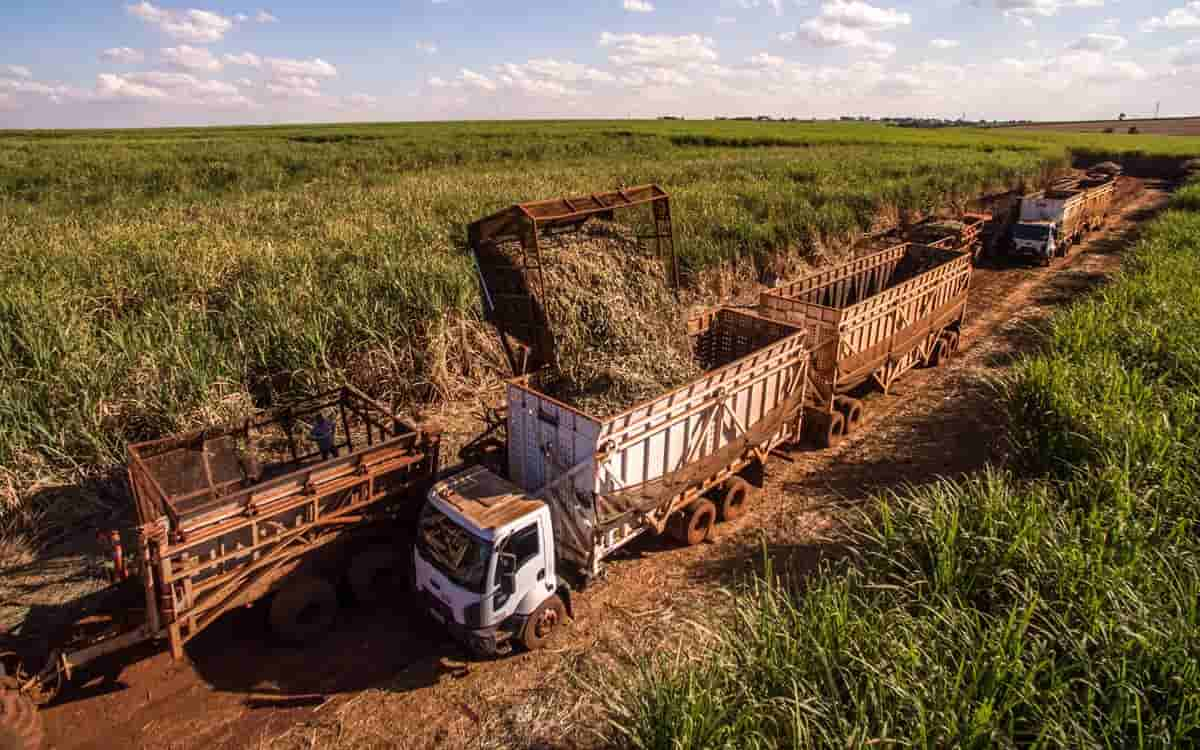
x=161 y=62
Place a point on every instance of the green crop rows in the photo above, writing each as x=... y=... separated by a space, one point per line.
x=148 y=279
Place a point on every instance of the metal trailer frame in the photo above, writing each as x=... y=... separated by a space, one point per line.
x=867 y=327
x=609 y=480
x=229 y=541
x=514 y=290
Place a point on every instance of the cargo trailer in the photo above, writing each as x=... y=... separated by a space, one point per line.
x=497 y=557
x=870 y=321
x=229 y=516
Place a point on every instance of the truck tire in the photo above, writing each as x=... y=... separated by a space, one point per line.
x=20 y=723
x=304 y=610
x=375 y=574
x=693 y=525
x=543 y=622
x=735 y=497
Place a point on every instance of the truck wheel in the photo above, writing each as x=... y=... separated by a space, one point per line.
x=693 y=525
x=304 y=609
x=543 y=622
x=20 y=723
x=735 y=498
x=374 y=574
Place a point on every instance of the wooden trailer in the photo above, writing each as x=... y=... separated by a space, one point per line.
x=871 y=320
x=229 y=516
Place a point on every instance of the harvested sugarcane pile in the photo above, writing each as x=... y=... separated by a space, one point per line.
x=621 y=336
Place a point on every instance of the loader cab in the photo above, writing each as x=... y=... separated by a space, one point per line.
x=484 y=559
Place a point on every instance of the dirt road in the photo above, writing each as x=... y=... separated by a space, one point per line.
x=385 y=679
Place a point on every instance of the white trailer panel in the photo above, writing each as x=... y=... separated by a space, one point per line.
x=654 y=447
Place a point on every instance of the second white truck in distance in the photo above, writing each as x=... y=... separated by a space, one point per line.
x=1051 y=222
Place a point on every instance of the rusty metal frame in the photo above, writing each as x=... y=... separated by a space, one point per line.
x=196 y=569
x=524 y=223
x=866 y=329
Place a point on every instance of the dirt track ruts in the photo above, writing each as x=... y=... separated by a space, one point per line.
x=388 y=680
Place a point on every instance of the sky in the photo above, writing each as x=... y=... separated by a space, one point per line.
x=97 y=63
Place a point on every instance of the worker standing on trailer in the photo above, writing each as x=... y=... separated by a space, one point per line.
x=322 y=435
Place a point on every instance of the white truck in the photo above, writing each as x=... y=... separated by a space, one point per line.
x=496 y=558
x=1050 y=222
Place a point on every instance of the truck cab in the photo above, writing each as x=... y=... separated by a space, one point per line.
x=1035 y=239
x=485 y=563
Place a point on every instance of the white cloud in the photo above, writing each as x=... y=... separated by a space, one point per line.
x=126 y=55
x=119 y=87
x=249 y=59
x=294 y=87
x=850 y=24
x=1026 y=10
x=264 y=17
x=856 y=14
x=556 y=70
x=1184 y=17
x=477 y=80
x=821 y=33
x=662 y=50
x=763 y=60
x=775 y=5
x=19 y=70
x=639 y=6
x=944 y=43
x=179 y=88
x=1100 y=43
x=191 y=58
x=1187 y=55
x=197 y=26
x=283 y=66
x=428 y=48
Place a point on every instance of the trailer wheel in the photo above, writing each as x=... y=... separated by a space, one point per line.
x=20 y=723
x=693 y=525
x=374 y=573
x=835 y=430
x=939 y=353
x=543 y=622
x=854 y=416
x=304 y=610
x=735 y=498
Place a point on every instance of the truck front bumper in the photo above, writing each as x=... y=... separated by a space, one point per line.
x=495 y=640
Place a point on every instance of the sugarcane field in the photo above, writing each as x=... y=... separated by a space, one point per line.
x=493 y=415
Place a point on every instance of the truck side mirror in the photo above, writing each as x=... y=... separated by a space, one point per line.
x=506 y=566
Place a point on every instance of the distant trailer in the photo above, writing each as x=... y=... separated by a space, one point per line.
x=232 y=515
x=872 y=320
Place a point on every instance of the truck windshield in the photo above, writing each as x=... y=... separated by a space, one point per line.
x=1031 y=231
x=459 y=555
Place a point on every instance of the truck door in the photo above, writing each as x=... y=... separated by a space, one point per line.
x=532 y=572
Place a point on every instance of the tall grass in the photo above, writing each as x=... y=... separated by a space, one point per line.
x=151 y=281
x=1053 y=603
